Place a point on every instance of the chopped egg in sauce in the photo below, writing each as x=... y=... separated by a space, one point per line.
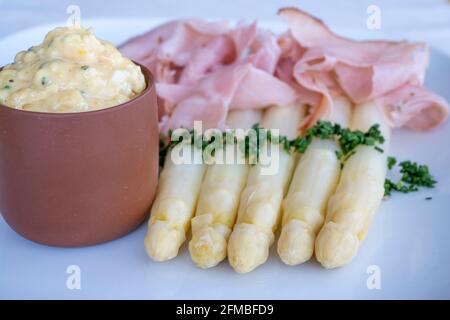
x=71 y=71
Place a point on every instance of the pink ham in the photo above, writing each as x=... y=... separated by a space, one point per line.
x=414 y=107
x=208 y=100
x=184 y=50
x=364 y=70
x=203 y=69
x=169 y=48
x=177 y=38
x=266 y=51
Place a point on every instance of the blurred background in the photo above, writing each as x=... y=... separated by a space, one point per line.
x=426 y=20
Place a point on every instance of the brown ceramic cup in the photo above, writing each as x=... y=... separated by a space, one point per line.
x=78 y=179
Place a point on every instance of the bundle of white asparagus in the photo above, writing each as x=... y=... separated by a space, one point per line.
x=237 y=192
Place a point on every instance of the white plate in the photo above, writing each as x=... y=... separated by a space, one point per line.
x=408 y=241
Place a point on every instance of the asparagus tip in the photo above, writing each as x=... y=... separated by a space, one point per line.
x=296 y=243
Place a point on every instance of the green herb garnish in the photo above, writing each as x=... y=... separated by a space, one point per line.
x=378 y=149
x=322 y=130
x=84 y=68
x=325 y=130
x=348 y=139
x=7 y=86
x=263 y=135
x=416 y=174
x=44 y=81
x=413 y=175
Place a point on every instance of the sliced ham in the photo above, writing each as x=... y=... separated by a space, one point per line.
x=265 y=51
x=236 y=86
x=364 y=70
x=203 y=69
x=174 y=40
x=169 y=48
x=414 y=107
x=184 y=50
x=209 y=100
x=259 y=89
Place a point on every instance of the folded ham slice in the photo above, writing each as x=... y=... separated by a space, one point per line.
x=192 y=46
x=414 y=107
x=203 y=69
x=364 y=70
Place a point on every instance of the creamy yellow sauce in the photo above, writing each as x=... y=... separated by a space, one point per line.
x=71 y=71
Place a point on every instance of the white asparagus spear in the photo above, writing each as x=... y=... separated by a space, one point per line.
x=219 y=199
x=260 y=203
x=314 y=180
x=174 y=205
x=358 y=194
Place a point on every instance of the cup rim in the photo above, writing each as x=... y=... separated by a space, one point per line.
x=150 y=85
